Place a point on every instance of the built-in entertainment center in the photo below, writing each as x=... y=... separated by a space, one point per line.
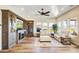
x=21 y=32
x=12 y=31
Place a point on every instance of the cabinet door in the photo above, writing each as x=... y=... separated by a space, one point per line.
x=0 y=37
x=12 y=33
x=0 y=30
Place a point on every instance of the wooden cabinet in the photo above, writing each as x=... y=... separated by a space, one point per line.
x=8 y=29
x=11 y=30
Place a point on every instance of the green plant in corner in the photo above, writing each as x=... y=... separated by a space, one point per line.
x=55 y=28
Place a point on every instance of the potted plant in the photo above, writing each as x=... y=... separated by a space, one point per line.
x=55 y=28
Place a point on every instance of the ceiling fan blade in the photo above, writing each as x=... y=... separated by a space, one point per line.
x=42 y=9
x=38 y=11
x=47 y=12
x=43 y=13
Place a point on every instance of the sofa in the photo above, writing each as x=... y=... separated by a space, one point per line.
x=75 y=40
x=57 y=37
x=64 y=39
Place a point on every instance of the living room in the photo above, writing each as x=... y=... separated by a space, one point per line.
x=44 y=23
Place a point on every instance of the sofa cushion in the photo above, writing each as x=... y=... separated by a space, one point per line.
x=57 y=37
x=75 y=39
x=45 y=38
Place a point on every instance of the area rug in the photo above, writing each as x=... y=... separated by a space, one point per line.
x=51 y=44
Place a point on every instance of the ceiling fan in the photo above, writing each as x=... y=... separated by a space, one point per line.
x=42 y=12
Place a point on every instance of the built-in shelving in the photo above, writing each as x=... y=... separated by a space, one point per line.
x=9 y=30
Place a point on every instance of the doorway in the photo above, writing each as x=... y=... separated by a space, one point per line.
x=30 y=28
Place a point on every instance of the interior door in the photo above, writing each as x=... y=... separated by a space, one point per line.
x=30 y=28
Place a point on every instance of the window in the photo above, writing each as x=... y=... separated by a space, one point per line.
x=65 y=24
x=72 y=23
x=64 y=27
x=73 y=27
x=59 y=28
x=50 y=27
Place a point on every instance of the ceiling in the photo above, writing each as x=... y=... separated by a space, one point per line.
x=30 y=11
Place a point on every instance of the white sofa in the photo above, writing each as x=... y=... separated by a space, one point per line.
x=57 y=37
x=64 y=36
x=75 y=39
